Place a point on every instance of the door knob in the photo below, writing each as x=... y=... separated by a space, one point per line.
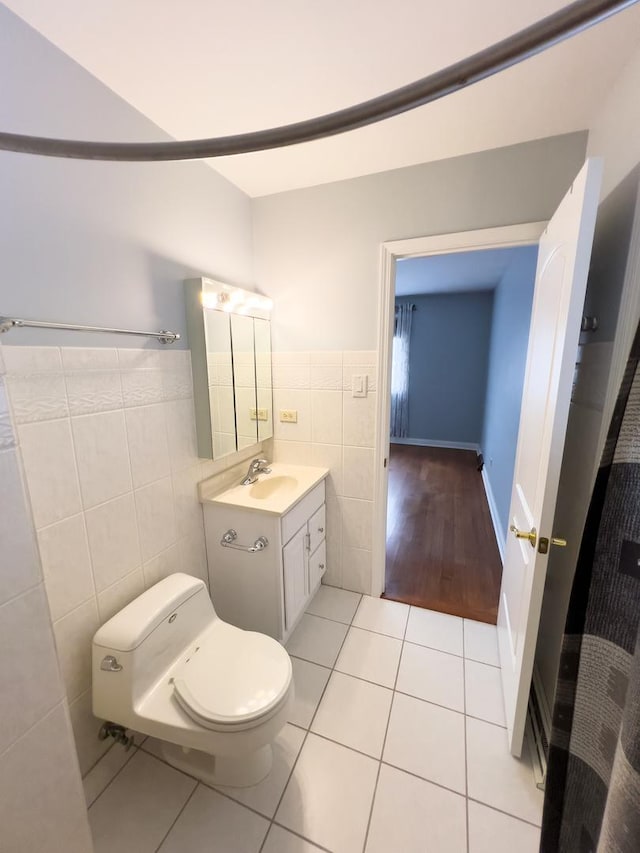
x=531 y=535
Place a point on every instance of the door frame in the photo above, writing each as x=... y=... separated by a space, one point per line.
x=501 y=237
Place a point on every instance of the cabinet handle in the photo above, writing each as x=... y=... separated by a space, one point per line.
x=321 y=530
x=321 y=566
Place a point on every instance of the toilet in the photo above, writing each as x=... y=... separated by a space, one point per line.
x=214 y=695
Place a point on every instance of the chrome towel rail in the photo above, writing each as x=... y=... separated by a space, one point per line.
x=8 y=323
x=229 y=541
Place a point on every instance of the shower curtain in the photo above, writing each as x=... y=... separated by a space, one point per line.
x=592 y=798
x=400 y=370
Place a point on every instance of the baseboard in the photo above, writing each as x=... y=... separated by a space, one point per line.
x=426 y=442
x=495 y=518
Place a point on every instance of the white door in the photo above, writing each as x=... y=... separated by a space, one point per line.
x=561 y=277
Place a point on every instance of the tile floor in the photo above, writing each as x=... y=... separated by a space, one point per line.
x=396 y=744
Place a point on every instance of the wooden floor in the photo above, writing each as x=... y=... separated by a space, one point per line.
x=441 y=547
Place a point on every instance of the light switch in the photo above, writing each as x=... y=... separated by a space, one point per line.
x=359 y=385
x=288 y=416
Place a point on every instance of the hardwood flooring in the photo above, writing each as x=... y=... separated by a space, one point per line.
x=441 y=547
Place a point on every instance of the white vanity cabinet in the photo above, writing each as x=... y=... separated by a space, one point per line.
x=303 y=563
x=267 y=590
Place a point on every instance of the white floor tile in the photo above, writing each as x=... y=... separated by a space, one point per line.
x=309 y=680
x=431 y=675
x=426 y=740
x=494 y=832
x=317 y=640
x=334 y=603
x=481 y=642
x=265 y=796
x=484 y=692
x=413 y=816
x=104 y=771
x=370 y=656
x=385 y=617
x=134 y=814
x=436 y=630
x=281 y=840
x=211 y=823
x=354 y=713
x=498 y=779
x=329 y=795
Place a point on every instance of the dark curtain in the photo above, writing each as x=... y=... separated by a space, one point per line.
x=592 y=799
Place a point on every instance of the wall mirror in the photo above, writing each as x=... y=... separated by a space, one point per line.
x=230 y=338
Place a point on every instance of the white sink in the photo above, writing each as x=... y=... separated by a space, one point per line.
x=273 y=493
x=272 y=486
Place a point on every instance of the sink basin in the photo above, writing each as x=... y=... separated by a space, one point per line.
x=269 y=488
x=273 y=493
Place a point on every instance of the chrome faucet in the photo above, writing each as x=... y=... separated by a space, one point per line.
x=257 y=466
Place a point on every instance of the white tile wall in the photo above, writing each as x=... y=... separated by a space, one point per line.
x=109 y=448
x=42 y=806
x=337 y=431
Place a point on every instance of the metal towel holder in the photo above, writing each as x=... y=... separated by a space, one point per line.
x=229 y=541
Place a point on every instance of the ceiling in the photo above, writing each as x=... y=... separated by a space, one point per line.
x=457 y=272
x=207 y=68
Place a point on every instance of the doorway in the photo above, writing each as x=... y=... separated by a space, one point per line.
x=409 y=462
x=458 y=358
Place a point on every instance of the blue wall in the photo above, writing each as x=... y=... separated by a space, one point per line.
x=449 y=357
x=508 y=353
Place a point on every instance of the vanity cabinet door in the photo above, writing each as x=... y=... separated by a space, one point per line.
x=317 y=525
x=294 y=559
x=317 y=566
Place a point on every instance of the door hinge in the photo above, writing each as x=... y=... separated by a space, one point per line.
x=384 y=464
x=307 y=541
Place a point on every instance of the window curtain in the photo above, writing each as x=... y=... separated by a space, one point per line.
x=400 y=370
x=592 y=797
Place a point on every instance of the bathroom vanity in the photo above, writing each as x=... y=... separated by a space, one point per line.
x=266 y=548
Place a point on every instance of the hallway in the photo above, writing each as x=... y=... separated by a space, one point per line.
x=441 y=547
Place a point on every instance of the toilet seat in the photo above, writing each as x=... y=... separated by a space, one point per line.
x=234 y=679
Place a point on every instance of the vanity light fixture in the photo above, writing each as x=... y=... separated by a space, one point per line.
x=234 y=300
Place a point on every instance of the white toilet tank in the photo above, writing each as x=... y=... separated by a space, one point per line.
x=143 y=640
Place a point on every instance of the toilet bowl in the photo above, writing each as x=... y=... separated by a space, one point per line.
x=214 y=695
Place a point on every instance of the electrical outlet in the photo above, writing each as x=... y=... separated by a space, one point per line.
x=259 y=414
x=288 y=416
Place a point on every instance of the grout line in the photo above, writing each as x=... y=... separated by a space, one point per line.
x=425 y=779
x=187 y=801
x=395 y=690
x=326 y=618
x=502 y=811
x=392 y=637
x=386 y=731
x=308 y=732
x=114 y=777
x=98 y=760
x=298 y=835
x=134 y=748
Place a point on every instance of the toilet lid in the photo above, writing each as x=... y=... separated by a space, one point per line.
x=235 y=676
